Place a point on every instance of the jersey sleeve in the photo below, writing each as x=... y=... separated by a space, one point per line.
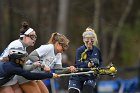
x=59 y=58
x=34 y=56
x=43 y=50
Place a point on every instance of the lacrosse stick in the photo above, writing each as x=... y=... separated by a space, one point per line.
x=110 y=70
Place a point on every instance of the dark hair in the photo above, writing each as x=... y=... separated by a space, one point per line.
x=24 y=28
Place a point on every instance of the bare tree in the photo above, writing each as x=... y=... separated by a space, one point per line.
x=96 y=14
x=62 y=16
x=1 y=24
x=118 y=29
x=4 y=37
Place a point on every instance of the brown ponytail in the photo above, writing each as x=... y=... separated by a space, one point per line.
x=24 y=27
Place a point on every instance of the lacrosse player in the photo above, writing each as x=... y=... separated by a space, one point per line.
x=87 y=56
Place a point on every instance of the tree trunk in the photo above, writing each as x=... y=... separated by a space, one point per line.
x=1 y=24
x=4 y=34
x=62 y=16
x=11 y=19
x=96 y=15
x=118 y=29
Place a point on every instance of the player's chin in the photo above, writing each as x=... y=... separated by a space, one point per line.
x=90 y=46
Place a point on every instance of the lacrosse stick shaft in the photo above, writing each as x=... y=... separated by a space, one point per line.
x=80 y=73
x=79 y=69
x=66 y=70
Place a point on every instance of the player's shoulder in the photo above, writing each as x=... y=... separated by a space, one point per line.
x=15 y=43
x=96 y=48
x=81 y=48
x=46 y=47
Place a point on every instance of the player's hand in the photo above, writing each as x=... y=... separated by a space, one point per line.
x=90 y=64
x=72 y=69
x=37 y=64
x=47 y=69
x=56 y=75
x=4 y=59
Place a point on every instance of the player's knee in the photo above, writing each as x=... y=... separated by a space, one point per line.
x=73 y=90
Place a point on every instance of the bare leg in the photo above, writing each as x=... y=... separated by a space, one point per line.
x=42 y=87
x=30 y=87
x=6 y=89
x=16 y=88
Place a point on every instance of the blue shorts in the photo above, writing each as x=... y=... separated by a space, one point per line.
x=78 y=85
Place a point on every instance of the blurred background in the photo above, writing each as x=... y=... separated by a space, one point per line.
x=116 y=22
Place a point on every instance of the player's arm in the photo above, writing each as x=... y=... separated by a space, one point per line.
x=32 y=61
x=30 y=75
x=34 y=56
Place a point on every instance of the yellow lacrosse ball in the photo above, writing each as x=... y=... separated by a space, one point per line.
x=112 y=69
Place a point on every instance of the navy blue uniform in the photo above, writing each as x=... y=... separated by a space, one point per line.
x=9 y=69
x=93 y=55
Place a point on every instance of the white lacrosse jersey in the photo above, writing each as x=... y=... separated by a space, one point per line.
x=14 y=44
x=48 y=56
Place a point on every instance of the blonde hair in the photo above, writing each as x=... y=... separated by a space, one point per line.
x=91 y=32
x=61 y=39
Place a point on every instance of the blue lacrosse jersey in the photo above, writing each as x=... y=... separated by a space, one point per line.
x=92 y=55
x=83 y=56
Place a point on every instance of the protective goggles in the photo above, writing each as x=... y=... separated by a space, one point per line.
x=33 y=37
x=89 y=39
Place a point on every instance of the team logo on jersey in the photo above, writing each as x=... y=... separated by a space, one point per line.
x=49 y=61
x=95 y=54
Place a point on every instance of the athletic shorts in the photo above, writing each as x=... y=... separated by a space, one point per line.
x=76 y=84
x=13 y=81
x=22 y=80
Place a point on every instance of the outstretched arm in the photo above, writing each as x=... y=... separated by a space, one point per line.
x=12 y=70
